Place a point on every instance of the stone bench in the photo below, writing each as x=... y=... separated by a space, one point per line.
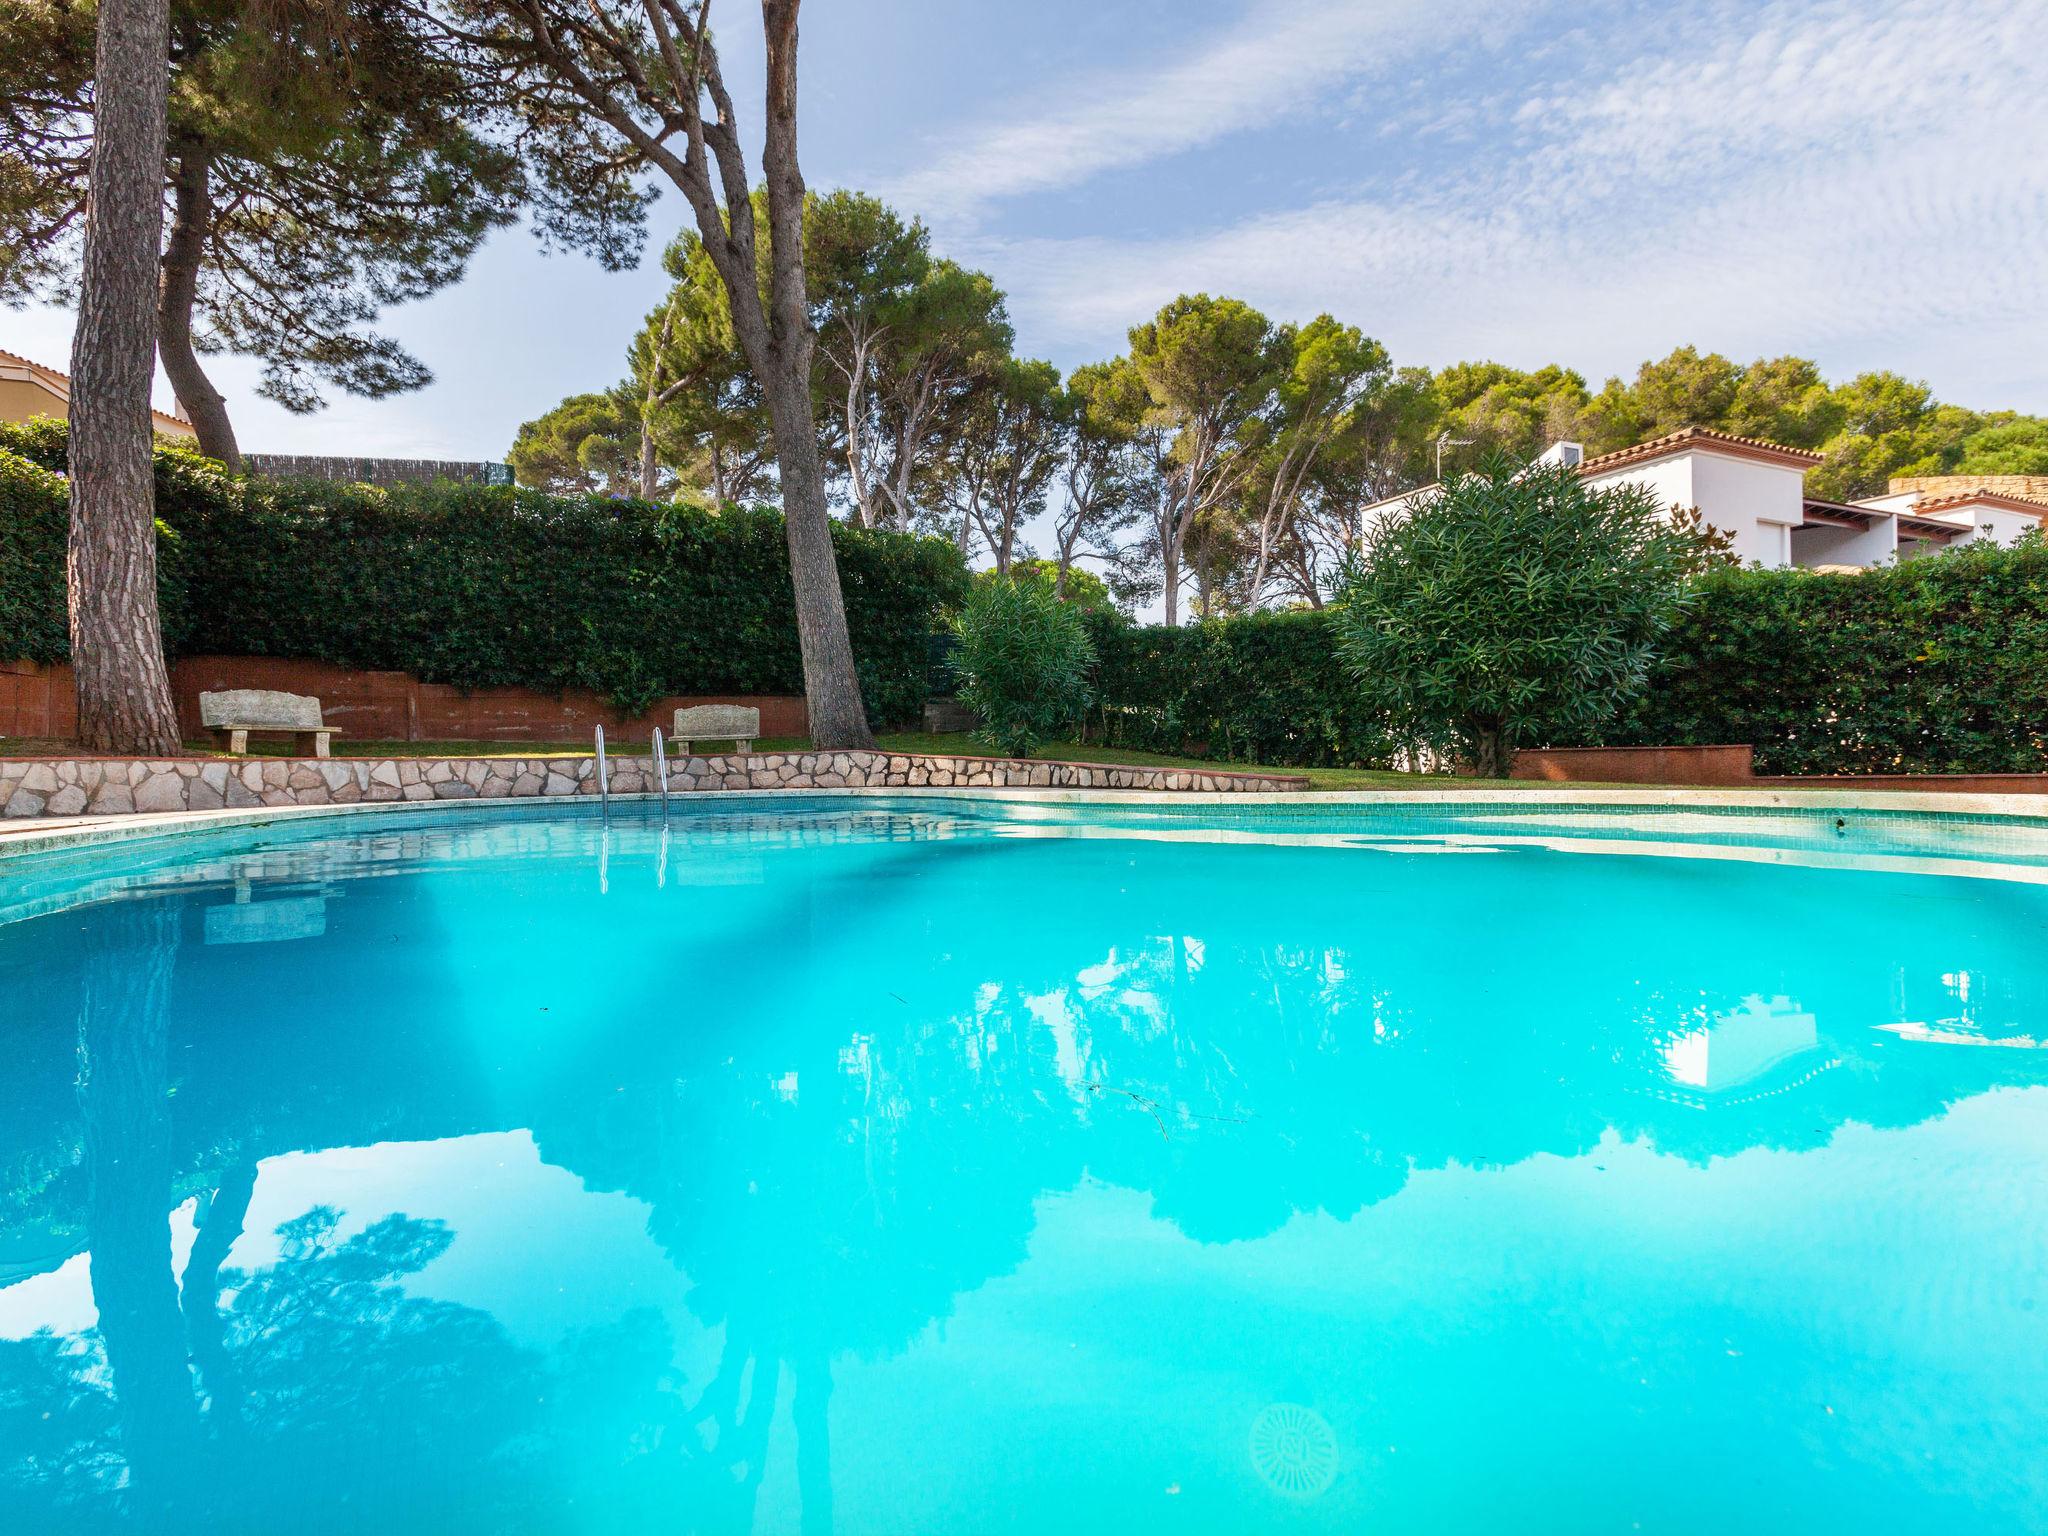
x=234 y=715
x=735 y=723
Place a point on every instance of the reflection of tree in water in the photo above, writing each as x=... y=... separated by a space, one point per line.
x=832 y=1201
x=332 y=1392
x=340 y=1371
x=830 y=1179
x=316 y=1391
x=323 y=1369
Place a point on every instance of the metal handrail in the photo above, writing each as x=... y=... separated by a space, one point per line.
x=604 y=783
x=661 y=771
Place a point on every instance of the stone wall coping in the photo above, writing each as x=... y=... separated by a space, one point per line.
x=676 y=760
x=67 y=787
x=27 y=837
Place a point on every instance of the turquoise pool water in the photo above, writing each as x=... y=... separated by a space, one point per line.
x=923 y=1167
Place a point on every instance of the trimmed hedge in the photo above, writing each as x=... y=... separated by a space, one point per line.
x=1938 y=665
x=1265 y=688
x=480 y=586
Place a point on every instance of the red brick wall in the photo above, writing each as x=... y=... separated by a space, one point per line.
x=375 y=706
x=1639 y=765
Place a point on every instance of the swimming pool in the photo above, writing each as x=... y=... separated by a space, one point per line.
x=942 y=1165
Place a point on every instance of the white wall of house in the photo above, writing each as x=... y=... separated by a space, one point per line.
x=1989 y=525
x=1757 y=504
x=1975 y=524
x=1919 y=549
x=1762 y=507
x=1670 y=479
x=1825 y=544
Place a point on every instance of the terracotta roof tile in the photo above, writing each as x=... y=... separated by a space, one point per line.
x=2003 y=500
x=64 y=379
x=1701 y=437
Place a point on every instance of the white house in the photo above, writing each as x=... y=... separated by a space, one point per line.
x=1755 y=491
x=1750 y=489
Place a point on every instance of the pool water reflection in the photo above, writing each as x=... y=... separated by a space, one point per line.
x=904 y=1171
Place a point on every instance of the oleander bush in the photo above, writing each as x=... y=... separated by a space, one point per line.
x=1022 y=657
x=480 y=585
x=1512 y=604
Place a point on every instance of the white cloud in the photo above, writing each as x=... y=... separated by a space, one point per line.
x=1285 y=56
x=1865 y=183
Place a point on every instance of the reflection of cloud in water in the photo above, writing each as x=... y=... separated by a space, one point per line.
x=1942 y=1034
x=1742 y=1045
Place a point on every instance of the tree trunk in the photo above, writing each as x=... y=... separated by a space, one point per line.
x=1169 y=570
x=649 y=470
x=1493 y=754
x=125 y=1104
x=191 y=216
x=124 y=691
x=831 y=685
x=856 y=466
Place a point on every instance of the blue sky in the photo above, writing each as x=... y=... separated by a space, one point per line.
x=1861 y=181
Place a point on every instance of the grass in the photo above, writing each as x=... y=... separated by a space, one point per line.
x=959 y=744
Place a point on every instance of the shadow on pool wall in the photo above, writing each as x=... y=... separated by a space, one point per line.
x=881 y=1152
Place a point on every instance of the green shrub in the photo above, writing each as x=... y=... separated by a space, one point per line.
x=1265 y=688
x=1938 y=665
x=1023 y=658
x=1511 y=604
x=32 y=531
x=480 y=586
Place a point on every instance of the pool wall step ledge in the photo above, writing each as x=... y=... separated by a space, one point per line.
x=103 y=786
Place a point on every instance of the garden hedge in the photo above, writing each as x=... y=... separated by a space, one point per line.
x=480 y=585
x=1938 y=665
x=1265 y=688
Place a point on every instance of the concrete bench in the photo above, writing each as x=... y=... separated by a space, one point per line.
x=735 y=723
x=234 y=715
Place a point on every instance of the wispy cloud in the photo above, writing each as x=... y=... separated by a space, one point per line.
x=1284 y=57
x=1868 y=182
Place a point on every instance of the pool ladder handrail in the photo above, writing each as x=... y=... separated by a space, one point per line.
x=604 y=786
x=661 y=771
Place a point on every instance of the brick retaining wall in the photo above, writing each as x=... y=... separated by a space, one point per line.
x=1711 y=766
x=38 y=700
x=112 y=786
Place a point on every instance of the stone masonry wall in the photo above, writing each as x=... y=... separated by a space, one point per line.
x=2032 y=487
x=119 y=786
